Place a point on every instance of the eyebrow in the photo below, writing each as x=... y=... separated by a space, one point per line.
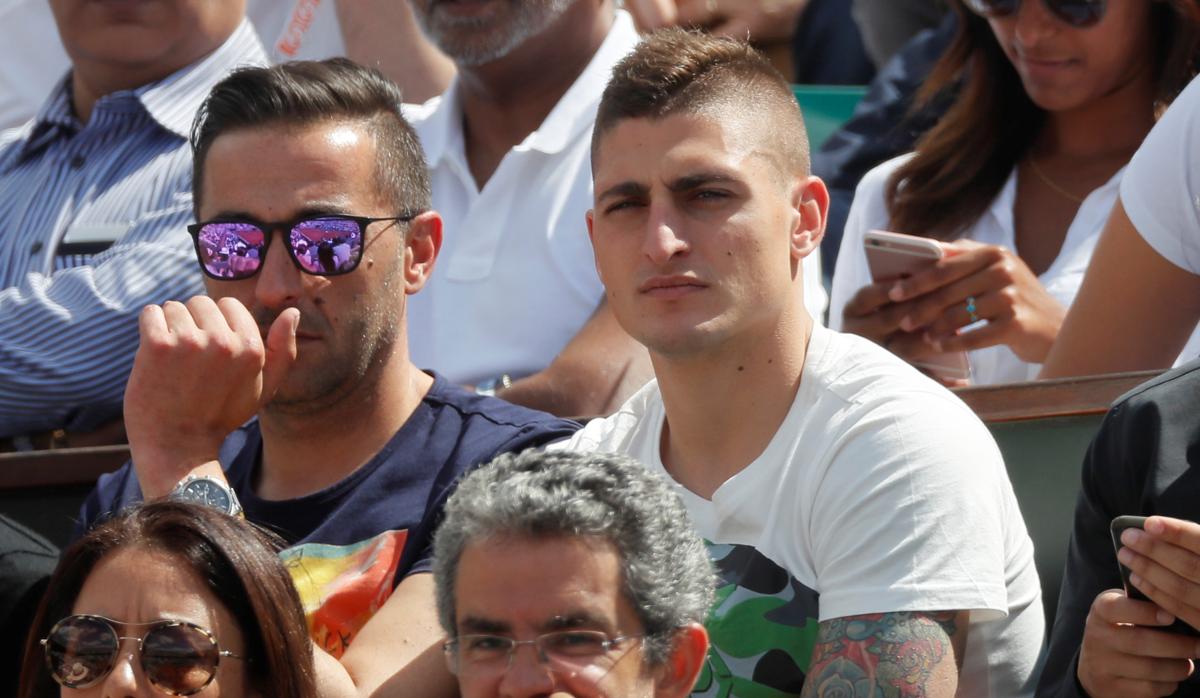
x=474 y=624
x=576 y=619
x=310 y=211
x=685 y=183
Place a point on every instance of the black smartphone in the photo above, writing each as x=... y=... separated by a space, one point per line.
x=1117 y=527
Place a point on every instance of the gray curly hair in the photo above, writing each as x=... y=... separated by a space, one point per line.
x=668 y=576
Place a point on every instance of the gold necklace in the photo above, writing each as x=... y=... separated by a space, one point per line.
x=1050 y=183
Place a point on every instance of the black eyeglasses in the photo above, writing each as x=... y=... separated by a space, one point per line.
x=480 y=655
x=234 y=249
x=1077 y=13
x=179 y=658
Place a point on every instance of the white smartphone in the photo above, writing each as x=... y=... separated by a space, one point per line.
x=893 y=256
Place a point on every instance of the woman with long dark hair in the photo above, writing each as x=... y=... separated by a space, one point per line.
x=170 y=598
x=1018 y=178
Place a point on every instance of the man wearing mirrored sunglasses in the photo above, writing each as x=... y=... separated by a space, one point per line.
x=94 y=194
x=563 y=574
x=314 y=229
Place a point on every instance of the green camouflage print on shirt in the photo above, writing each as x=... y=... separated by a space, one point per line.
x=762 y=628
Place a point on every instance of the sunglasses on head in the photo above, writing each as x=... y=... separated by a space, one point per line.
x=179 y=658
x=233 y=249
x=1077 y=13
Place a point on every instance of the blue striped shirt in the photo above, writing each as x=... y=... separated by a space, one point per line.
x=92 y=223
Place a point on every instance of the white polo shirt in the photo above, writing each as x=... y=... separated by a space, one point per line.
x=515 y=280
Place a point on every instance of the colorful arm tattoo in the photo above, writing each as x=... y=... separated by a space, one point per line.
x=885 y=655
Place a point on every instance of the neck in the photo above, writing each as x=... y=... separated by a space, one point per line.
x=506 y=100
x=1111 y=126
x=724 y=406
x=307 y=452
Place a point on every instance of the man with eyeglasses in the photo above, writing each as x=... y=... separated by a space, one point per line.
x=564 y=574
x=287 y=393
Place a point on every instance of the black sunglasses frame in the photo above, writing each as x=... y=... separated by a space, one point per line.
x=112 y=660
x=986 y=8
x=285 y=227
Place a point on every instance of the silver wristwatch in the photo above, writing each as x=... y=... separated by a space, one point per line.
x=210 y=491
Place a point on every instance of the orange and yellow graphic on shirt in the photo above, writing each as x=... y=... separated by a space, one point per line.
x=342 y=586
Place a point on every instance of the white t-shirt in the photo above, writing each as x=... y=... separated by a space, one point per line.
x=1161 y=191
x=996 y=364
x=881 y=492
x=515 y=279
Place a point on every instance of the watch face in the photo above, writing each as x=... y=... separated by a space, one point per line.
x=205 y=491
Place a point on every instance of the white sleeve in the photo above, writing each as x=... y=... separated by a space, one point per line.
x=867 y=212
x=1161 y=188
x=913 y=514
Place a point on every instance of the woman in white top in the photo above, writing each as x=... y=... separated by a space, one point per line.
x=1140 y=299
x=1053 y=97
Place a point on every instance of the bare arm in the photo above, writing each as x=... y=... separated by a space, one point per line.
x=597 y=370
x=893 y=654
x=384 y=34
x=1134 y=311
x=397 y=653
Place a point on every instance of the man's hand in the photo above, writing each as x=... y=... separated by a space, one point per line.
x=200 y=371
x=1122 y=656
x=1165 y=561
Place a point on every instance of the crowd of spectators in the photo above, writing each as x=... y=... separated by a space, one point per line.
x=527 y=348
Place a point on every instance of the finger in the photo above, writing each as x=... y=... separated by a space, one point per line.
x=180 y=322
x=986 y=306
x=1171 y=592
x=1147 y=668
x=152 y=325
x=932 y=306
x=281 y=351
x=944 y=272
x=868 y=299
x=1113 y=607
x=239 y=319
x=1184 y=534
x=988 y=335
x=1169 y=566
x=910 y=346
x=207 y=315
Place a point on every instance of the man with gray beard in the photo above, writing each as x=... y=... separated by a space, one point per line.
x=507 y=146
x=514 y=304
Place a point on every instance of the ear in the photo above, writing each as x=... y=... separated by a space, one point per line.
x=810 y=199
x=421 y=247
x=678 y=673
x=590 y=219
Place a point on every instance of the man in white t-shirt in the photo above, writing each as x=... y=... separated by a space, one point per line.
x=514 y=305
x=859 y=514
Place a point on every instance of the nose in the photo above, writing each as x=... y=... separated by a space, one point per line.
x=664 y=238
x=126 y=679
x=1033 y=23
x=527 y=676
x=278 y=284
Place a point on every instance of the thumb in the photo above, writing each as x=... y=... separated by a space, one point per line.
x=281 y=352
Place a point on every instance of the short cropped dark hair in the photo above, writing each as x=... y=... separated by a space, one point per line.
x=674 y=71
x=304 y=93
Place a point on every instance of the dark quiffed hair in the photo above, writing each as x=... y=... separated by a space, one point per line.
x=674 y=71
x=240 y=566
x=303 y=93
x=667 y=575
x=962 y=163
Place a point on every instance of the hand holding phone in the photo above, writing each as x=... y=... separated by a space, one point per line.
x=1117 y=527
x=894 y=256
